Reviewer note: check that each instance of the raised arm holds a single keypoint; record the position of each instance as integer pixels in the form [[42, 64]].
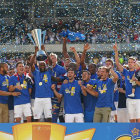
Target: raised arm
[[32, 60], [64, 50], [48, 56], [120, 67], [86, 47], [77, 58]]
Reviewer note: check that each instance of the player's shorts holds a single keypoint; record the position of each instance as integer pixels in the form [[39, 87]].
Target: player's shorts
[[122, 115], [133, 106], [79, 117], [88, 116], [32, 104], [22, 110], [42, 106]]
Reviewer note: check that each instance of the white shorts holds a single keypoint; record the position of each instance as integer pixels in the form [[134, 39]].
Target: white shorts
[[79, 117], [133, 106], [122, 115], [42, 106], [11, 116], [32, 105], [22, 110]]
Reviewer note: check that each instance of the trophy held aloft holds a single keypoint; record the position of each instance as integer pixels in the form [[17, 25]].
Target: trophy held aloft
[[36, 35]]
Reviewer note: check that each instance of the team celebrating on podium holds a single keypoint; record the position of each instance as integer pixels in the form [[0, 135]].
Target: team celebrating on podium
[[76, 92]]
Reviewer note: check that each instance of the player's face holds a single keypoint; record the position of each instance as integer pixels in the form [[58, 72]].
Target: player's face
[[104, 74], [131, 64], [92, 68], [54, 59], [26, 69], [42, 67], [71, 75], [108, 64], [5, 69], [85, 76], [20, 68], [67, 64]]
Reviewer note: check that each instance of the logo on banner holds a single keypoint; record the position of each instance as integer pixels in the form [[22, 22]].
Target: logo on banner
[[135, 132], [44, 131]]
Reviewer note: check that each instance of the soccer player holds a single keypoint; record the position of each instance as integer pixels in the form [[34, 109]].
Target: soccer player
[[43, 91], [4, 85], [72, 100], [89, 100], [105, 89], [18, 82], [57, 73], [132, 103]]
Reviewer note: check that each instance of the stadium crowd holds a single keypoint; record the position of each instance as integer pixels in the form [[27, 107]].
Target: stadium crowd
[[73, 91], [94, 33]]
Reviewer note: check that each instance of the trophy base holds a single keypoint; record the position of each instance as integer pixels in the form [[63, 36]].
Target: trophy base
[[41, 55]]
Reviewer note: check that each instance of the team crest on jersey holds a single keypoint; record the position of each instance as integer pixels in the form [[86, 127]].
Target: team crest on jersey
[[102, 90], [67, 90], [45, 78], [5, 83], [72, 91]]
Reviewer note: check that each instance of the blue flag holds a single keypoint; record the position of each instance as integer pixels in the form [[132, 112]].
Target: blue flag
[[72, 36]]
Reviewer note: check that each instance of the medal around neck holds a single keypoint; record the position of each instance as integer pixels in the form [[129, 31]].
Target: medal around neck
[[35, 37], [40, 83]]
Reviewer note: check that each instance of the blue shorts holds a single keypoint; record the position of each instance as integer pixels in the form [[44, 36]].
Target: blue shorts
[[88, 116]]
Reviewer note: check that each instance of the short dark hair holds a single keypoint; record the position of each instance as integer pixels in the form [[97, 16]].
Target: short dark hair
[[18, 63], [71, 69], [93, 64], [86, 71]]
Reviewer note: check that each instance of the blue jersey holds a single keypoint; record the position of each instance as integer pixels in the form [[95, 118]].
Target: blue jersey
[[128, 82], [24, 98], [94, 76], [105, 93], [58, 71], [90, 100], [72, 97], [4, 84], [43, 84]]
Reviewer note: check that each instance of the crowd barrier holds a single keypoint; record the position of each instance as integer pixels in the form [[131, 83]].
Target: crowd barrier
[[79, 47]]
